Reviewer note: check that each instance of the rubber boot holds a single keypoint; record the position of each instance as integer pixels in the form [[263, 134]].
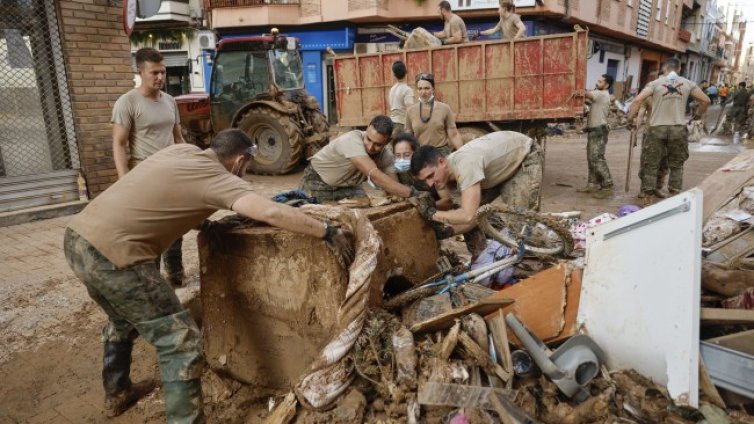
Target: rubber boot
[[183, 401], [604, 193], [589, 188], [120, 393]]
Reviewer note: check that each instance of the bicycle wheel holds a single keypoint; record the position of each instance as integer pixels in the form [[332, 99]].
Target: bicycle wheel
[[506, 224]]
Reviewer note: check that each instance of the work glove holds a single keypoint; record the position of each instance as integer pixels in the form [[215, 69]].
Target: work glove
[[442, 231], [341, 243], [425, 204]]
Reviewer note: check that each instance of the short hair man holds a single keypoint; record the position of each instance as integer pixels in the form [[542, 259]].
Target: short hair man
[[337, 171], [503, 164], [112, 244], [667, 132], [146, 120], [510, 24], [454, 30], [401, 97], [599, 182]]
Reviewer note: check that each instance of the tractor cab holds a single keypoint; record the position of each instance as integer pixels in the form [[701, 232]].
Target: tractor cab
[[252, 68]]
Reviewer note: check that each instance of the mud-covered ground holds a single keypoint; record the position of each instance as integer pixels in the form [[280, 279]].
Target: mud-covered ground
[[50, 349]]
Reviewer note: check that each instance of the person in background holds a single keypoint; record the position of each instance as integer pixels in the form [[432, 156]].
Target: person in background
[[146, 120], [712, 93], [599, 182], [401, 97], [454, 30], [431, 121], [510, 24], [723, 93]]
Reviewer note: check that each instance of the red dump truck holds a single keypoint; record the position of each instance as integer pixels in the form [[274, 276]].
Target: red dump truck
[[492, 85]]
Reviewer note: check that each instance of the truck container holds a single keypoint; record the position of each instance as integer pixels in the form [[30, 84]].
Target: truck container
[[493, 85]]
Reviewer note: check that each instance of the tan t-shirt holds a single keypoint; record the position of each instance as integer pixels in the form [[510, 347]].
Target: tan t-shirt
[[669, 100], [455, 24], [161, 199], [490, 159], [435, 131], [333, 162], [599, 109], [508, 26], [149, 122], [401, 96]]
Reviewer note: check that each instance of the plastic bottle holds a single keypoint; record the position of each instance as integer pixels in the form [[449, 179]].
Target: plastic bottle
[[83, 192]]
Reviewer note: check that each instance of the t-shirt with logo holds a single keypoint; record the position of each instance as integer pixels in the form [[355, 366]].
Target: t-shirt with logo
[[149, 122], [333, 162], [599, 109], [455, 24], [171, 192], [489, 160], [669, 100], [401, 96]]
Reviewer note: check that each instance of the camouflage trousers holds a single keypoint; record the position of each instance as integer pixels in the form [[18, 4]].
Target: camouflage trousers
[[662, 171], [313, 185], [139, 302], [523, 188], [599, 173], [669, 142], [737, 116]]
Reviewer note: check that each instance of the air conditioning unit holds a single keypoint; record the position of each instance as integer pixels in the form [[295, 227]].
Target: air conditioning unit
[[207, 40], [361, 48]]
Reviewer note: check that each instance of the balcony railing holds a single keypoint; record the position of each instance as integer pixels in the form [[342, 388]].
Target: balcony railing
[[244, 3]]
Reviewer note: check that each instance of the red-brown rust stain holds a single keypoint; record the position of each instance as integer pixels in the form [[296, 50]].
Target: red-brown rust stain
[[371, 81], [528, 82], [498, 71], [416, 62], [558, 59], [471, 87], [347, 92]]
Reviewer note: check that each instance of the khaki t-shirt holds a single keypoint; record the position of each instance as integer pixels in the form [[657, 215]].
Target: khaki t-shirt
[[508, 26], [401, 96], [149, 122], [435, 131], [669, 100], [161, 199], [455, 24], [333, 162], [599, 109], [489, 160]]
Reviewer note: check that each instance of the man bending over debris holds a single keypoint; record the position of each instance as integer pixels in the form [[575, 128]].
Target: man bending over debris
[[113, 243], [503, 164], [337, 171]]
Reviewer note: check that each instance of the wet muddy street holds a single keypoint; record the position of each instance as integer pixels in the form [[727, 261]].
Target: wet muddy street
[[50, 349]]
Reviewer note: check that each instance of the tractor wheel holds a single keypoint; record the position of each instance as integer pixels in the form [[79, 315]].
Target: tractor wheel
[[470, 133], [277, 139]]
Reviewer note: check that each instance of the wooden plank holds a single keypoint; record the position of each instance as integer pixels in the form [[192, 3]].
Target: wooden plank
[[284, 412], [719, 316], [443, 321], [707, 387], [499, 332], [742, 341], [476, 353], [472, 397], [547, 303]]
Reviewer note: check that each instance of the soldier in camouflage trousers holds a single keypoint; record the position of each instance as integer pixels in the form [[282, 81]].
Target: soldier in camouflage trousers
[[138, 301], [667, 135], [313, 185], [738, 113], [599, 181]]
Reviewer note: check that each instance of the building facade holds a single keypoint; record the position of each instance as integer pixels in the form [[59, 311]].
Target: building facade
[[62, 66]]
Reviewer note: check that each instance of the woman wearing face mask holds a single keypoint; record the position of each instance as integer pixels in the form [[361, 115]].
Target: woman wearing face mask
[[432, 121], [404, 146]]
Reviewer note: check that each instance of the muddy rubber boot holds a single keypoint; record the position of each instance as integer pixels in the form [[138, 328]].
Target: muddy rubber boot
[[590, 188], [604, 193], [183, 401], [120, 393]]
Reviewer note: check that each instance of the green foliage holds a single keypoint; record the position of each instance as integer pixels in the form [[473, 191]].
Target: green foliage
[[149, 38]]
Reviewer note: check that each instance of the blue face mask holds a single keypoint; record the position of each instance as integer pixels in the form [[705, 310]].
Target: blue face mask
[[402, 165]]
